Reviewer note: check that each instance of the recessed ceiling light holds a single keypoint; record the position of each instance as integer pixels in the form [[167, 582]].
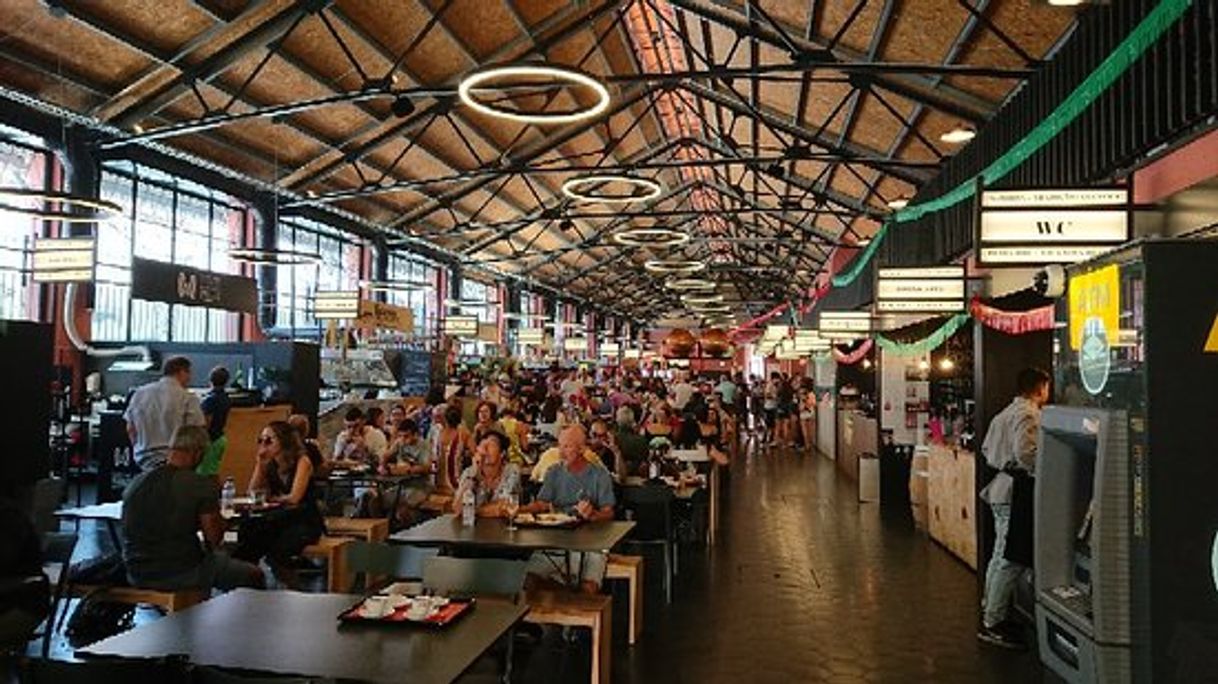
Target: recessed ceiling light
[[1066, 3], [485, 79], [959, 135], [898, 203]]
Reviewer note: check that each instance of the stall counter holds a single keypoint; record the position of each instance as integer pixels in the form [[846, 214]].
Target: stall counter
[[952, 501]]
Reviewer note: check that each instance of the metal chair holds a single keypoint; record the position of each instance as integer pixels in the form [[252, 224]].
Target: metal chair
[[493, 577], [650, 507], [57, 550], [386, 560]]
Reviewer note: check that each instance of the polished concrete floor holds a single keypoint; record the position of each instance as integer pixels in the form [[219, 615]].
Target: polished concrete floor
[[807, 585], [803, 585]]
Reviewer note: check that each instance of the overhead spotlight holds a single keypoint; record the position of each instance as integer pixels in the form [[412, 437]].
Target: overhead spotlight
[[898, 203], [1066, 3], [946, 364], [959, 135], [402, 106], [566, 225], [776, 169], [798, 151]]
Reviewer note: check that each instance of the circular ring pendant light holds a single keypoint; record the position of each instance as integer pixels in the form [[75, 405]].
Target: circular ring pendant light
[[650, 237], [578, 188], [395, 285], [72, 208], [494, 78], [273, 257], [676, 266], [690, 284], [700, 300]]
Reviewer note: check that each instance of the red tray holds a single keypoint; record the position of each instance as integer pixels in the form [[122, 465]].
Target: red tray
[[443, 617]]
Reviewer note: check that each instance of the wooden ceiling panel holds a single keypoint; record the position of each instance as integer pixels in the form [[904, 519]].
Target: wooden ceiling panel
[[436, 60], [875, 126], [925, 31], [69, 45], [823, 99], [312, 44], [890, 188], [858, 35], [932, 124], [535, 11], [483, 25], [166, 25]]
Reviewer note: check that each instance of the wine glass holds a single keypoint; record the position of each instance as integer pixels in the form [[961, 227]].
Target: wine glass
[[511, 505]]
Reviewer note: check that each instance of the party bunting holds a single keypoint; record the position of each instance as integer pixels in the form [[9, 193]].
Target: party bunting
[[1117, 63], [854, 356], [1013, 322], [926, 344]]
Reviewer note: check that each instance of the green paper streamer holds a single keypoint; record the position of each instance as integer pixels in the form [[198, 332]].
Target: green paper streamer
[[1080, 99], [932, 341]]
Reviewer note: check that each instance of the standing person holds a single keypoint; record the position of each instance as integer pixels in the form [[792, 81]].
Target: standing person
[[172, 528], [787, 411], [682, 392], [807, 415], [1010, 448], [158, 409], [215, 405], [772, 427], [452, 448]]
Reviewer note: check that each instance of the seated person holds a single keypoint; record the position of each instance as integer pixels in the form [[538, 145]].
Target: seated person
[[301, 422], [580, 488], [358, 442], [407, 455], [285, 474], [492, 479], [488, 420], [633, 445], [164, 510], [553, 456], [602, 443]]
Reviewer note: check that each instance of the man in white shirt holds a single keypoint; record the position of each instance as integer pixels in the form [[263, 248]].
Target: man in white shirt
[[570, 387], [1010, 445], [157, 410], [681, 393], [359, 441]]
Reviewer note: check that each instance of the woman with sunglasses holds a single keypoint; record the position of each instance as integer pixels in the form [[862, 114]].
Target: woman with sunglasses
[[284, 473]]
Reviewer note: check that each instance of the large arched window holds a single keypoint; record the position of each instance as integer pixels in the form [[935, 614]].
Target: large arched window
[[341, 268], [22, 165]]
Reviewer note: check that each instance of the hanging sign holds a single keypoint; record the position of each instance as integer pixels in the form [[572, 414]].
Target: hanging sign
[[461, 326], [379, 315], [63, 260], [336, 305], [610, 349], [920, 290], [488, 332], [533, 336], [849, 324], [157, 281], [1047, 226], [1095, 295], [575, 344]]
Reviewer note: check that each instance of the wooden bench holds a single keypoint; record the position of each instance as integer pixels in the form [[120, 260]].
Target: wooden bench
[[169, 601], [332, 550], [369, 529], [629, 568], [570, 609]]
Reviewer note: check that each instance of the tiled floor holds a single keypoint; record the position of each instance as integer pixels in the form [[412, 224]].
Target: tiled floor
[[804, 585], [807, 585]]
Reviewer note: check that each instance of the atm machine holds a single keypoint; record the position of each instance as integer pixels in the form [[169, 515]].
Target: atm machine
[[1127, 474]]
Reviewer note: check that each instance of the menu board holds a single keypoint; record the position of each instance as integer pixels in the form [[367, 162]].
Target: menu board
[[416, 372]]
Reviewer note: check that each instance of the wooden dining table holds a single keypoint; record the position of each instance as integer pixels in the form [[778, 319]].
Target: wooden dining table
[[291, 633]]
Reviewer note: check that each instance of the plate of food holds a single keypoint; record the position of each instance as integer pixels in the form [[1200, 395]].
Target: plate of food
[[425, 611], [547, 520]]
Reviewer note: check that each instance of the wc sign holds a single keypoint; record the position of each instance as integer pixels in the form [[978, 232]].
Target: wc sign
[[1045, 226]]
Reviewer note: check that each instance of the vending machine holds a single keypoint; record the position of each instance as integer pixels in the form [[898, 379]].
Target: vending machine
[[1127, 475]]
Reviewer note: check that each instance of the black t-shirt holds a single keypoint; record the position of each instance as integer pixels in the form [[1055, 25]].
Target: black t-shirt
[[216, 404], [161, 510]]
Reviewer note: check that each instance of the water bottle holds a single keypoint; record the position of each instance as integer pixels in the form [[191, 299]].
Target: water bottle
[[467, 508], [653, 469], [117, 458], [227, 494]]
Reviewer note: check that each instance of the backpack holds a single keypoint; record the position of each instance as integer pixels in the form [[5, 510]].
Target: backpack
[[95, 619]]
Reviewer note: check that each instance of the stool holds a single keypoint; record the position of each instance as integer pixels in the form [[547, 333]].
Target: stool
[[369, 529], [332, 551], [570, 609], [629, 568], [169, 601]]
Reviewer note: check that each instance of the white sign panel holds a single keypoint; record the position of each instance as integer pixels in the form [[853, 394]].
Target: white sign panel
[[1053, 197], [461, 326], [63, 260], [845, 321], [336, 305], [610, 349], [530, 335], [1064, 254], [1055, 226], [921, 273], [919, 306], [632, 354], [575, 344], [920, 289]]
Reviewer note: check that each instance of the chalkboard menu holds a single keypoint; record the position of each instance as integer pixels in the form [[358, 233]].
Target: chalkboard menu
[[416, 372]]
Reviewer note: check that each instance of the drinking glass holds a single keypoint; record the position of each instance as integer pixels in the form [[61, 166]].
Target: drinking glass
[[511, 504]]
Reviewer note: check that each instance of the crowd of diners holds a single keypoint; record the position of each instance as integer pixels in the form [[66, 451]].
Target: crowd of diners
[[529, 440]]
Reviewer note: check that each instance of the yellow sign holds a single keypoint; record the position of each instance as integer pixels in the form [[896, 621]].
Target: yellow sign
[[384, 316], [1211, 342], [1095, 295]]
